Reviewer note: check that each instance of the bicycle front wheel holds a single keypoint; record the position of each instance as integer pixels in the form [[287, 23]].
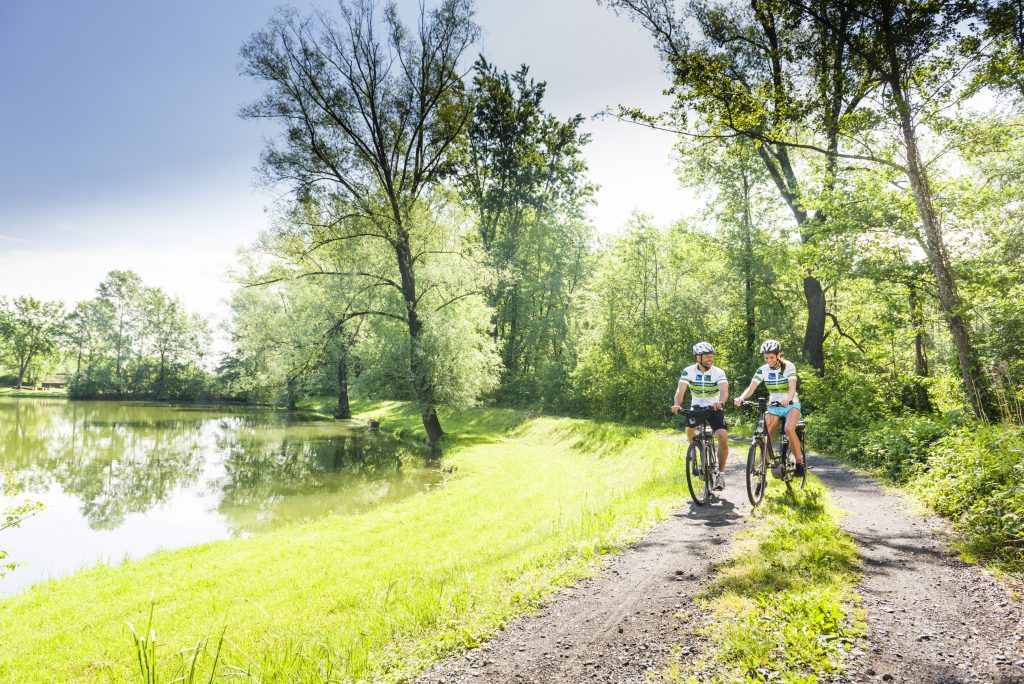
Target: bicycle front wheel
[[696, 478], [757, 473]]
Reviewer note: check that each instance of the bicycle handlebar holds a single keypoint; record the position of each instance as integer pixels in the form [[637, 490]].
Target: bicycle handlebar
[[754, 404]]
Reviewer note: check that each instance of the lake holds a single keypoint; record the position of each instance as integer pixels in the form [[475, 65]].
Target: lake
[[120, 480]]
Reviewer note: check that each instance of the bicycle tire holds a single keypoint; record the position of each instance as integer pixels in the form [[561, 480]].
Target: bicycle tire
[[789, 475], [696, 474], [802, 480], [757, 473]]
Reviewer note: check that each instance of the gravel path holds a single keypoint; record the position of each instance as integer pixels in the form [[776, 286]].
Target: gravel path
[[620, 625], [931, 617]]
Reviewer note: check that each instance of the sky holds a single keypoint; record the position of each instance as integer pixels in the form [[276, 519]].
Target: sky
[[121, 146]]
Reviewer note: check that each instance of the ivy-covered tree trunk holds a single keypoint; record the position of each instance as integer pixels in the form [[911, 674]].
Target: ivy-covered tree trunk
[[290, 388]]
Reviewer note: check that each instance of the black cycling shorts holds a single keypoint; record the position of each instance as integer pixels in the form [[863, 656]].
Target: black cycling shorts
[[716, 419]]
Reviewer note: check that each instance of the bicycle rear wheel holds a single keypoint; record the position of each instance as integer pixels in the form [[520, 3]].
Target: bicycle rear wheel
[[757, 473], [696, 474]]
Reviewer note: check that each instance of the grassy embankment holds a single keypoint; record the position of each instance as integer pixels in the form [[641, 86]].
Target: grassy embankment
[[529, 504], [783, 608]]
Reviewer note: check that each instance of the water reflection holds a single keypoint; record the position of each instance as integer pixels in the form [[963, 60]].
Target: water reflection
[[121, 480], [302, 473]]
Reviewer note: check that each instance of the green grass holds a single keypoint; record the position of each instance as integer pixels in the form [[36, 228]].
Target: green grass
[[34, 394], [782, 609], [530, 504]]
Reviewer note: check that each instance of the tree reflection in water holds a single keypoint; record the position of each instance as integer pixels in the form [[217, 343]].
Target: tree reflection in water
[[296, 474], [261, 468]]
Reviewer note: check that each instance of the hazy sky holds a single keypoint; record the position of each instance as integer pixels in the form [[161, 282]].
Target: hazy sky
[[121, 146]]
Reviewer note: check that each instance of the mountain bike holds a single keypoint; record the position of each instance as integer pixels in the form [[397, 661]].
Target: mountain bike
[[761, 457], [701, 456]]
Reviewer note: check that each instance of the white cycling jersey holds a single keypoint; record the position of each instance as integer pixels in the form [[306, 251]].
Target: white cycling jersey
[[704, 390], [776, 380]]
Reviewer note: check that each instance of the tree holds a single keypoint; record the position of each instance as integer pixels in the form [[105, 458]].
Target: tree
[[346, 275], [134, 340], [741, 205], [84, 334], [756, 73], [32, 329], [172, 339], [522, 175], [371, 124], [119, 295], [279, 333], [918, 55], [655, 292]]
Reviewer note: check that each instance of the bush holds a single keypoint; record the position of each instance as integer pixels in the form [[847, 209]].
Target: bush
[[975, 477], [840, 409]]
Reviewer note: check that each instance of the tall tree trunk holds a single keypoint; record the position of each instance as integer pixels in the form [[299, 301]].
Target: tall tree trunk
[[508, 353], [434, 432], [163, 373], [344, 409], [975, 384], [290, 388], [748, 271], [120, 338], [920, 359], [814, 332], [784, 177], [421, 382]]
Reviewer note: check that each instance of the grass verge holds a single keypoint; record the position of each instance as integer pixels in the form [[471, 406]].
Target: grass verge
[[783, 608], [17, 393], [530, 504]]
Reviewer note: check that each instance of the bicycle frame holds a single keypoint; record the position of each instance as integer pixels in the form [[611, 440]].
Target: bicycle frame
[[704, 445], [761, 435], [783, 467]]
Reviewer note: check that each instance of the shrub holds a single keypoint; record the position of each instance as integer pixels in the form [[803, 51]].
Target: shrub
[[975, 477]]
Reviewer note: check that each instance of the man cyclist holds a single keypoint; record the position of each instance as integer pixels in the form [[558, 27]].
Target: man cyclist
[[708, 389], [779, 378]]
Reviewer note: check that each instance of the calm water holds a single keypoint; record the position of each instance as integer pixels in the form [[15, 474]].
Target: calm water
[[121, 480]]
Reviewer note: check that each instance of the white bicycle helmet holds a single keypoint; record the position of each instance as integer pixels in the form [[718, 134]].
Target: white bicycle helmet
[[770, 347], [703, 348]]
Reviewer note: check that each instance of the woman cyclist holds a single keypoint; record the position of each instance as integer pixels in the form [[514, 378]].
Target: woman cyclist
[[779, 377]]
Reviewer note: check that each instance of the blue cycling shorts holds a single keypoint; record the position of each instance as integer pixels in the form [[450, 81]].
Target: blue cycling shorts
[[781, 411]]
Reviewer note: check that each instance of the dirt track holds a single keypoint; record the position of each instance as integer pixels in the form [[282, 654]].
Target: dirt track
[[620, 625], [931, 617]]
